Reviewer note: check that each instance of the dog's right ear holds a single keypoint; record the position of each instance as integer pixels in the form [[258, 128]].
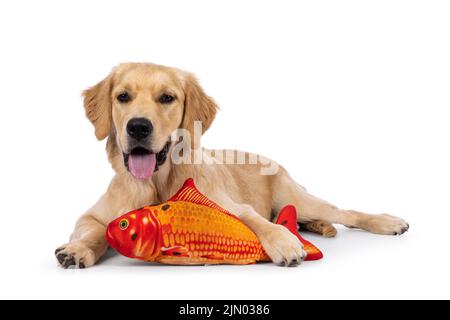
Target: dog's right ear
[[97, 104]]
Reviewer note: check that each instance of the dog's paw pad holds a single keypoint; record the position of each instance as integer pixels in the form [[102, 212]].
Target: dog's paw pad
[[75, 255]]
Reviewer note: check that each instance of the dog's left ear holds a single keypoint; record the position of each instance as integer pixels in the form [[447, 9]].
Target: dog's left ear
[[97, 104], [197, 105]]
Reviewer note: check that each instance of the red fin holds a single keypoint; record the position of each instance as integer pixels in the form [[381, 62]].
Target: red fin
[[214, 256], [288, 218], [190, 193], [175, 252]]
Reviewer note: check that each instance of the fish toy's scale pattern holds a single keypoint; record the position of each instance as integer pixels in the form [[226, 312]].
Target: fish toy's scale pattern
[[209, 234]]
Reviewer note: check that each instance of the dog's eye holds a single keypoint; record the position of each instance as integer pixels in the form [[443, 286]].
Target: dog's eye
[[124, 97], [123, 224], [166, 98]]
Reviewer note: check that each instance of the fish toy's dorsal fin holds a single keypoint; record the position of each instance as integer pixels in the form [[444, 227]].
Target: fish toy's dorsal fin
[[190, 193], [187, 192]]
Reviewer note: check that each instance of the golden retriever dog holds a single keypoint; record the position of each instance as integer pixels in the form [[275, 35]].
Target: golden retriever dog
[[147, 111]]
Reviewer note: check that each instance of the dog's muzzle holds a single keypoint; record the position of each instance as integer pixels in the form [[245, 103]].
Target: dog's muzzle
[[142, 162]]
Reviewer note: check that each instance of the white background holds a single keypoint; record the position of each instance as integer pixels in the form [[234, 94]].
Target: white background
[[352, 97]]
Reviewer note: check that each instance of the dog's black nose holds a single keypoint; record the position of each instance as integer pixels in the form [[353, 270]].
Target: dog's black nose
[[139, 128]]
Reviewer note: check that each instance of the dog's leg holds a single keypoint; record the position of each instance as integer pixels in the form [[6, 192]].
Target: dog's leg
[[311, 208], [87, 243], [280, 244], [321, 227]]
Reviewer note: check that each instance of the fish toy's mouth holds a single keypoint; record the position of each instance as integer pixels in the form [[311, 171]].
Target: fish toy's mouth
[[113, 243], [110, 239], [142, 162]]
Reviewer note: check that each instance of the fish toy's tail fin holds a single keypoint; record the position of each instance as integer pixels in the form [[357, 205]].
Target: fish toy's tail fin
[[288, 218]]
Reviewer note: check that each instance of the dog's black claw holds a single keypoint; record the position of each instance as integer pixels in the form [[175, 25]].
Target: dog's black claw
[[293, 263], [70, 261], [61, 257], [58, 250], [283, 264], [81, 265]]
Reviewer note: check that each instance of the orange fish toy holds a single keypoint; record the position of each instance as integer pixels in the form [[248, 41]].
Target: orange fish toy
[[190, 229]]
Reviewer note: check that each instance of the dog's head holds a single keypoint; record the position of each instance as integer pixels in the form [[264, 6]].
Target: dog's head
[[139, 106]]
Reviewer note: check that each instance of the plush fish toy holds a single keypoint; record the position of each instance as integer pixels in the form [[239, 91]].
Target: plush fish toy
[[190, 229]]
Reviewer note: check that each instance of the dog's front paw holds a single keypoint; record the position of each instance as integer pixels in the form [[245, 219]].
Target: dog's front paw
[[282, 246], [75, 254], [386, 224]]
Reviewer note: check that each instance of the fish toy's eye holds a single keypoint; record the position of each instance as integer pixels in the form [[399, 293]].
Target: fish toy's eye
[[123, 224]]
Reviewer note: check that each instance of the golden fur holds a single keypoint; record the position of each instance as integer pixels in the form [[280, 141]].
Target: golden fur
[[240, 188]]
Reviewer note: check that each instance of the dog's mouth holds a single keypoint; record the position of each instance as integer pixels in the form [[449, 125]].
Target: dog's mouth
[[142, 162]]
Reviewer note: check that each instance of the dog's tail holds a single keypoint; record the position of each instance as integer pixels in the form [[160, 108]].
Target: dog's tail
[[288, 218]]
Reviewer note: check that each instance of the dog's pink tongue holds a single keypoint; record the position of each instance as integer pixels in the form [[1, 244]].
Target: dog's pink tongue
[[142, 166]]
